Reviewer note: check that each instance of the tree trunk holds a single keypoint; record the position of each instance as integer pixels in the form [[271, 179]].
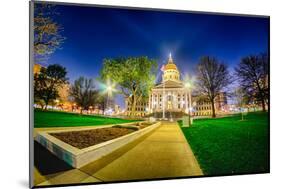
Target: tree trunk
[[213, 108], [262, 96], [263, 105], [133, 111], [46, 104]]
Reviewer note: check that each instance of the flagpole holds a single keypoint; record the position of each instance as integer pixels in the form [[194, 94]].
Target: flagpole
[[163, 99]]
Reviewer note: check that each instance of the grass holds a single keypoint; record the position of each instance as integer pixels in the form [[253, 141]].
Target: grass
[[228, 145], [63, 119]]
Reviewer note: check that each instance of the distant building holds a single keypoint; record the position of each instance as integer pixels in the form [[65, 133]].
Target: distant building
[[141, 108], [202, 106], [117, 109], [36, 68]]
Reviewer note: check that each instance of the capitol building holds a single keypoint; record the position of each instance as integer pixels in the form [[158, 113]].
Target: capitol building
[[172, 96]]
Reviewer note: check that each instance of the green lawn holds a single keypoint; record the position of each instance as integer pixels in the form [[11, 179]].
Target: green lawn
[[225, 146], [63, 119]]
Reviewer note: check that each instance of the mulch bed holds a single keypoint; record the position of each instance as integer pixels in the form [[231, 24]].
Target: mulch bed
[[86, 138]]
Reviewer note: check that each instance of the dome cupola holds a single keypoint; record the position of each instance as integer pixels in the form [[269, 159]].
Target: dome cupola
[[171, 71]]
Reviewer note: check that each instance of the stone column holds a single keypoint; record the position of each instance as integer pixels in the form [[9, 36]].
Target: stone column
[[173, 100], [158, 101]]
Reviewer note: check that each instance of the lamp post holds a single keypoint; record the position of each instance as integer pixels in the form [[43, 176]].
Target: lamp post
[[188, 86], [163, 101], [109, 91]]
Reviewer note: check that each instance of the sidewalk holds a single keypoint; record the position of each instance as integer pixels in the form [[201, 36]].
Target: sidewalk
[[163, 154]]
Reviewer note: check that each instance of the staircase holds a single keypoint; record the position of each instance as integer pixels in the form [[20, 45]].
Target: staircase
[[174, 115]]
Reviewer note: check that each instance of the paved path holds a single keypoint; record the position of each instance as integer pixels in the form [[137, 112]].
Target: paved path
[[163, 154]]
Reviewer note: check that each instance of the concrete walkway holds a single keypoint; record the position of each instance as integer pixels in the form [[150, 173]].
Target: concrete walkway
[[163, 154]]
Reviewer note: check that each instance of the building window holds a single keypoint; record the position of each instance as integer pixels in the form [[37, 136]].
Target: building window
[[179, 106], [170, 97]]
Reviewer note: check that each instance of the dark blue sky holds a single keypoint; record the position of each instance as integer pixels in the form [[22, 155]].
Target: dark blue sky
[[97, 33]]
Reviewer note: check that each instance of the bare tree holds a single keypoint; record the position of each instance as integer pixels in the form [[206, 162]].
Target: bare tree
[[47, 32], [252, 73], [84, 93], [212, 77]]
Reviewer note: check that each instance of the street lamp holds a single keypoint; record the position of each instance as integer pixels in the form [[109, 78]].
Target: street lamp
[[188, 85], [109, 89]]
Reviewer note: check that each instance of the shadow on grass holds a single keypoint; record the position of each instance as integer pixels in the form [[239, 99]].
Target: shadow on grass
[[46, 162]]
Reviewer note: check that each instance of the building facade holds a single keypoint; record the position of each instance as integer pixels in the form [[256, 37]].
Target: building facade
[[173, 96], [141, 108], [170, 94], [201, 106]]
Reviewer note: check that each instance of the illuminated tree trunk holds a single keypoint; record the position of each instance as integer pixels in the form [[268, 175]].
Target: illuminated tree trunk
[[134, 107], [213, 108], [263, 104], [133, 104]]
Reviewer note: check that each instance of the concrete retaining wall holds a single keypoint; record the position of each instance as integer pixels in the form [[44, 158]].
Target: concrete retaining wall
[[79, 157]]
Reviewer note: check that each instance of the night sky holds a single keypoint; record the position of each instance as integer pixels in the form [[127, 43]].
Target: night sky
[[93, 34]]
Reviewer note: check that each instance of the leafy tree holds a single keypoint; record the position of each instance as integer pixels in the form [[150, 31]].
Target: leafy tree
[[47, 83], [252, 73], [47, 32], [212, 77], [134, 76], [84, 93]]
